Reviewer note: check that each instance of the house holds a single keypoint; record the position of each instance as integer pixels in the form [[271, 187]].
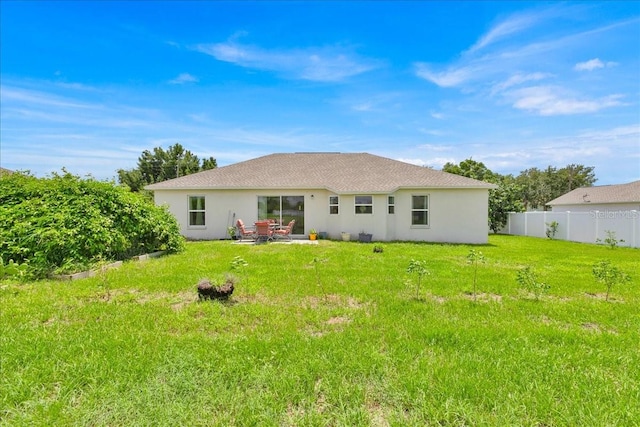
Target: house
[[621, 197], [331, 193]]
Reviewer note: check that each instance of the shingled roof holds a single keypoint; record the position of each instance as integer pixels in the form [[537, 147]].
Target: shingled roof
[[620, 193], [342, 173]]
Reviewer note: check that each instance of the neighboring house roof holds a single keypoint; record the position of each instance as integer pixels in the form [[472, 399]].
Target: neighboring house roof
[[339, 172], [4, 171], [602, 194]]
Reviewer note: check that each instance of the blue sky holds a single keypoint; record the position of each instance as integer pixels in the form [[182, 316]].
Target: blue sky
[[89, 85]]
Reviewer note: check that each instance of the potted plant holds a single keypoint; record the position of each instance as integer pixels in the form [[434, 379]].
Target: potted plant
[[365, 237], [231, 231], [345, 236], [313, 234]]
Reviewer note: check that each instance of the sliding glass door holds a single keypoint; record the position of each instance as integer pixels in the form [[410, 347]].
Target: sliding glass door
[[283, 209]]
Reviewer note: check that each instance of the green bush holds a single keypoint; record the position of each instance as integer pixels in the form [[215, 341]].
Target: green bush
[[65, 223]]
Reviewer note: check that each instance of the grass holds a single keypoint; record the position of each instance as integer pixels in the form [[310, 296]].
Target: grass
[[328, 335]]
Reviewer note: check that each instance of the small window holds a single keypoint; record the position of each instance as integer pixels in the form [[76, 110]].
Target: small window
[[364, 205], [334, 205], [391, 204], [196, 211], [420, 210]]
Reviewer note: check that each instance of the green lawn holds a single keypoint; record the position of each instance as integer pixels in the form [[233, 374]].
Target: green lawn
[[342, 341]]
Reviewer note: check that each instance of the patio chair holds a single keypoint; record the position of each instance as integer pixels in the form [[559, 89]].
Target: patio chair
[[284, 232], [264, 231], [245, 232]]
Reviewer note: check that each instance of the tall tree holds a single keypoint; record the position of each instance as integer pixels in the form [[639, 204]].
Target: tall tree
[[541, 186], [471, 169], [502, 200], [160, 165]]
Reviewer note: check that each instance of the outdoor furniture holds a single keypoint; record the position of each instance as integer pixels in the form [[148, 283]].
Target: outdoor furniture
[[245, 232], [264, 231], [284, 232]]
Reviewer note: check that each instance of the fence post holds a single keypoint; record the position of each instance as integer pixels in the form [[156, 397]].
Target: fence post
[[634, 217], [596, 226], [525, 224], [568, 225]]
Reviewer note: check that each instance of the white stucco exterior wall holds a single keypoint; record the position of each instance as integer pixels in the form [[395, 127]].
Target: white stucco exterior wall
[[455, 215]]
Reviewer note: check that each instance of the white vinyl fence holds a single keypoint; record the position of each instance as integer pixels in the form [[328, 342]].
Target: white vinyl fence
[[586, 227]]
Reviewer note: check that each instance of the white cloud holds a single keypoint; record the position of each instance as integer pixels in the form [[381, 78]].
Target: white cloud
[[450, 78], [622, 133], [551, 101], [325, 64], [365, 106], [590, 65], [436, 148], [593, 64], [184, 78], [509, 26], [417, 162], [518, 79]]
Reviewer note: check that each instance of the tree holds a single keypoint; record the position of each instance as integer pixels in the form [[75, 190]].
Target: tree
[[160, 165], [209, 163], [471, 169], [541, 186], [502, 200]]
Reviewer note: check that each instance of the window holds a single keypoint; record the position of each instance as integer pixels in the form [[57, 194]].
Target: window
[[364, 205], [333, 205], [196, 211], [391, 204], [420, 210]]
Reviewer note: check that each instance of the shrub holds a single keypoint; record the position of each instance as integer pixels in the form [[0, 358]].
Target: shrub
[[12, 269], [65, 223]]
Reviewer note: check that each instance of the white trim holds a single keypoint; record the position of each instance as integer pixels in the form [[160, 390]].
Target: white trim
[[356, 205], [427, 210], [189, 211], [337, 205]]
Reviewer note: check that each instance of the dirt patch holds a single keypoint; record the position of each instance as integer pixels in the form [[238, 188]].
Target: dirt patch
[[483, 297], [332, 301], [338, 320], [376, 415], [593, 327], [545, 320], [603, 297]]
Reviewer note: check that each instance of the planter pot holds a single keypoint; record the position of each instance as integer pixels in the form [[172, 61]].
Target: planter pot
[[365, 237], [322, 235], [346, 236], [313, 236]]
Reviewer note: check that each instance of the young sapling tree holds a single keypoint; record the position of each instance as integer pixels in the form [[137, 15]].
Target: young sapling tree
[[611, 241], [420, 268], [552, 229], [610, 275], [474, 258], [528, 280], [315, 263]]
